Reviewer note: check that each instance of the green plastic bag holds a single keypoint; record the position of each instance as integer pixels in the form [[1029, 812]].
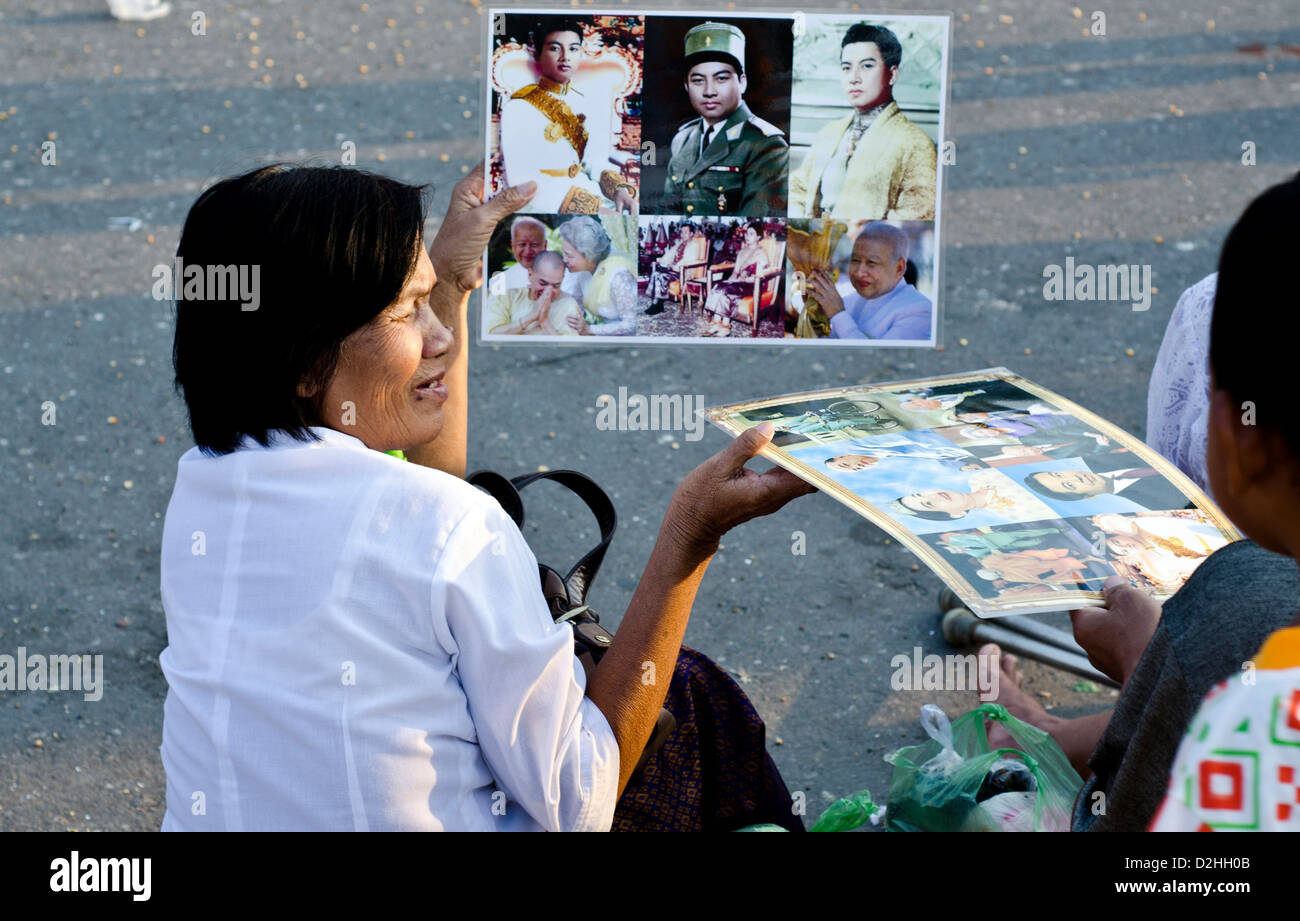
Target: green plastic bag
[[847, 814], [943, 784]]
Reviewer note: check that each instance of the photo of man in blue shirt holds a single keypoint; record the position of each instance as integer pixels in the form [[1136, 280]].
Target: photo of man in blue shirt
[[883, 305]]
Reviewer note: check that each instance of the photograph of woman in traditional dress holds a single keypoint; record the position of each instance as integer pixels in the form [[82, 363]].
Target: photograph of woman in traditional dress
[[604, 275], [725, 296]]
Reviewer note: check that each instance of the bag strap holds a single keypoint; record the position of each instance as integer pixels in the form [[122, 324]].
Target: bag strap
[[501, 489], [506, 492]]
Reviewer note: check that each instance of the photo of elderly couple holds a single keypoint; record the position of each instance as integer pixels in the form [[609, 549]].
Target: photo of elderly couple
[[781, 174], [1019, 499]]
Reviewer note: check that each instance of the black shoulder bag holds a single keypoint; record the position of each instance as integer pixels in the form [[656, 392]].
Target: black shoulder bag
[[566, 596]]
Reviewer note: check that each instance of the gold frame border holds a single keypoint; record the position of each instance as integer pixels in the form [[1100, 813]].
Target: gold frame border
[[981, 606]]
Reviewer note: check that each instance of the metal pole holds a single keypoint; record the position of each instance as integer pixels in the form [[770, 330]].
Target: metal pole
[[1024, 624], [962, 628]]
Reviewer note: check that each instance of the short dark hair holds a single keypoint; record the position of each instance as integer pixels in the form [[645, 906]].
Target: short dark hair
[[547, 25], [1247, 365], [333, 248], [929, 516], [891, 52], [1038, 487], [713, 57]]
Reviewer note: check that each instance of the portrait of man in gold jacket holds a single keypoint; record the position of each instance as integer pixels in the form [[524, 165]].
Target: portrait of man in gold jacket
[[873, 163]]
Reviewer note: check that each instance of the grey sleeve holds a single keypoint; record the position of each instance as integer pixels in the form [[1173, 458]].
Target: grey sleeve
[[1215, 623]]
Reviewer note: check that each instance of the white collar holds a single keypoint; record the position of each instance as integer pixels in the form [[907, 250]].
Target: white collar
[[888, 294], [334, 436], [280, 439]]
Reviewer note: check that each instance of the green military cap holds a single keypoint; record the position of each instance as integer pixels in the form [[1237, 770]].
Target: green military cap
[[716, 41]]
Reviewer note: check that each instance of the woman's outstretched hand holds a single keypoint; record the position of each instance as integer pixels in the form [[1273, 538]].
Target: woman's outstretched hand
[[715, 497], [457, 248], [722, 493]]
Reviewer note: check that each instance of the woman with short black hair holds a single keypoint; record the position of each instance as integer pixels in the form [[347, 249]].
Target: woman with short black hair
[[357, 642]]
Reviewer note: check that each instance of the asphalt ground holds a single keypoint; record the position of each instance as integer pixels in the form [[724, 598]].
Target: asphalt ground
[[1120, 148]]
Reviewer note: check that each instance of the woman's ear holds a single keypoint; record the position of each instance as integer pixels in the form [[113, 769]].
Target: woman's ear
[[1243, 452], [1250, 471]]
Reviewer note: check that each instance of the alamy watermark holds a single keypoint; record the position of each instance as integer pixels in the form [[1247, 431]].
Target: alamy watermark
[[53, 673], [952, 672], [102, 874], [666, 412], [1082, 282], [182, 282]]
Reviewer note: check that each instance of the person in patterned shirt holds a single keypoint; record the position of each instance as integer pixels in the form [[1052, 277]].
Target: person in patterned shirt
[[1168, 657], [1238, 767]]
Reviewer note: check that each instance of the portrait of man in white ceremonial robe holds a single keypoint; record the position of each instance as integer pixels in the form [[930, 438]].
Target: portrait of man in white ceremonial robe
[[867, 117], [564, 93]]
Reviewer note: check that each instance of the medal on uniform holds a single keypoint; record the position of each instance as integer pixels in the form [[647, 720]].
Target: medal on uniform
[[722, 200]]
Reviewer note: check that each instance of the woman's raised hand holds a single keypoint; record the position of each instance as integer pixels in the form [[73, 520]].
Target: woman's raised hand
[[457, 248], [722, 493]]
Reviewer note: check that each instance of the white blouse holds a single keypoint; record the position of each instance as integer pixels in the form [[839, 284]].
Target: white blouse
[[357, 642]]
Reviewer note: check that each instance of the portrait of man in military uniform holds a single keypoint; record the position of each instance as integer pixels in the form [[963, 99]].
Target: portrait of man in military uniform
[[563, 129], [732, 157]]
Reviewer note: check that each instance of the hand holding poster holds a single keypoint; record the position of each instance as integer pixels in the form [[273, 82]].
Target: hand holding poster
[[677, 158]]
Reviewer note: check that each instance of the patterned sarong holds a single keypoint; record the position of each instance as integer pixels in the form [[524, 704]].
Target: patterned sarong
[[661, 276], [713, 773], [725, 297]]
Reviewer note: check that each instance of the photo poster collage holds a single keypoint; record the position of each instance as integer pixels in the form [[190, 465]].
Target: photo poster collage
[[1018, 499], [712, 176]]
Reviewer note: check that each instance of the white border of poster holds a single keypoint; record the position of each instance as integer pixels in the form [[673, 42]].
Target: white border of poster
[[710, 308]]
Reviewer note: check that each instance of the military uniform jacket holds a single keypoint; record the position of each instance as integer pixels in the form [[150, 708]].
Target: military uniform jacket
[[743, 170]]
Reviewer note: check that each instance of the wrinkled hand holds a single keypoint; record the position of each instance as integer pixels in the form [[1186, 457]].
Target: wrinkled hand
[[578, 324], [721, 493], [823, 290], [457, 249], [1116, 633]]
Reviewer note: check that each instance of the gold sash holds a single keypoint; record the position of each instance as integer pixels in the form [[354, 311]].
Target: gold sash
[[563, 122]]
